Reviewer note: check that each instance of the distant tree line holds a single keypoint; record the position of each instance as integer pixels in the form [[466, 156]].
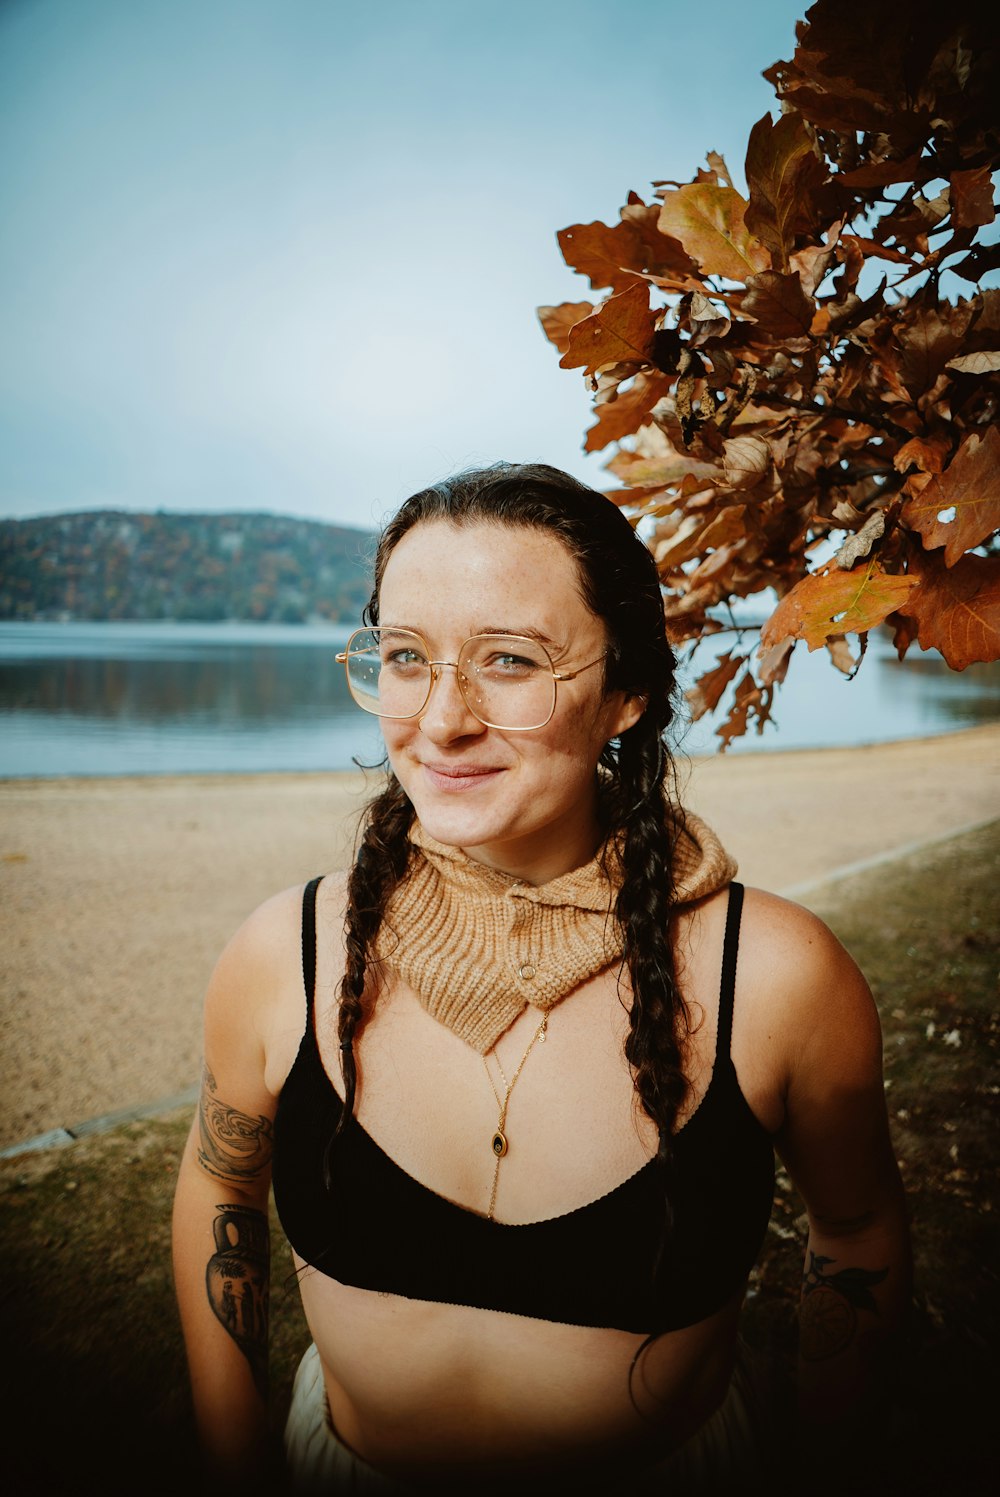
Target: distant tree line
[[115, 565]]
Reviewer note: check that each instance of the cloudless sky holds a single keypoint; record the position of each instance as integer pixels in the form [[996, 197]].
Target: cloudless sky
[[286, 254]]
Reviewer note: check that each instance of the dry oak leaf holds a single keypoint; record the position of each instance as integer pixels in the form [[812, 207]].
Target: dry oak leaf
[[746, 461], [783, 169], [972, 198], [880, 173], [608, 256], [957, 609], [970, 486], [929, 454], [619, 331], [778, 304], [624, 414], [840, 654], [704, 695], [835, 602], [934, 336], [983, 362], [748, 697], [708, 222], [860, 544], [557, 321]]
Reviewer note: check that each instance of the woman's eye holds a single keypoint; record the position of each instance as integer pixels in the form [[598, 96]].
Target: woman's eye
[[511, 664], [403, 657]]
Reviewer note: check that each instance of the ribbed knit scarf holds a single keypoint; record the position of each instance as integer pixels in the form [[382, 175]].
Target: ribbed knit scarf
[[478, 946]]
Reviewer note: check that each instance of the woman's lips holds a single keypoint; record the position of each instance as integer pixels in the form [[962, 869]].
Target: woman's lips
[[459, 777]]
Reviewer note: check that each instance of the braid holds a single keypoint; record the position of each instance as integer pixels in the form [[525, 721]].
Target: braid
[[380, 864], [643, 910]]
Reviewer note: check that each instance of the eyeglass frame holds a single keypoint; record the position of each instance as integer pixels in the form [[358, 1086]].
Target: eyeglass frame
[[434, 669]]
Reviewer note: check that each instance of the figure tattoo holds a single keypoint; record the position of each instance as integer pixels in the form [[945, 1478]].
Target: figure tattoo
[[828, 1312], [237, 1281], [234, 1146]]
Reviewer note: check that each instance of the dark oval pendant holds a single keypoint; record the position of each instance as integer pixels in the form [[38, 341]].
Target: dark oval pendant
[[499, 1144]]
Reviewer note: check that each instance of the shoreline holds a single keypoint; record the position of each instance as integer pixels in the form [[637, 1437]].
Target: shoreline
[[119, 892], [681, 757]]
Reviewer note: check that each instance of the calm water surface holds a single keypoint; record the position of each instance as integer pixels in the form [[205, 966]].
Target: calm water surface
[[93, 699]]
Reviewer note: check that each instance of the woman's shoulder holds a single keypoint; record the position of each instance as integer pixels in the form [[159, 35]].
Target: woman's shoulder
[[262, 961], [790, 947], [809, 997]]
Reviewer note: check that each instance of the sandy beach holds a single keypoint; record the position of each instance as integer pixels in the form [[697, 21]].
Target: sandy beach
[[119, 893]]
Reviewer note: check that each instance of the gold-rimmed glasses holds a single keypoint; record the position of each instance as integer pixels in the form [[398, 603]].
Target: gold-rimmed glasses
[[507, 681]]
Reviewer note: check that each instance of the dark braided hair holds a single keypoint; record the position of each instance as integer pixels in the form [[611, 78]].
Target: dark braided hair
[[619, 583]]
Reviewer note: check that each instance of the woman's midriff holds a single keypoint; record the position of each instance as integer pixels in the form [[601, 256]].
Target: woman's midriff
[[421, 1388]]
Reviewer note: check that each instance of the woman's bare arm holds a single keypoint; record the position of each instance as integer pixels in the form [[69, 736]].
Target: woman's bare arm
[[834, 1140], [221, 1238]]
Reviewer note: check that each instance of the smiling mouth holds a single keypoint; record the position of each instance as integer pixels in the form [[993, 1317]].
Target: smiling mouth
[[457, 776]]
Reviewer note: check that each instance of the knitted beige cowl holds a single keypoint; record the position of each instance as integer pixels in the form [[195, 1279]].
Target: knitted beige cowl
[[478, 946]]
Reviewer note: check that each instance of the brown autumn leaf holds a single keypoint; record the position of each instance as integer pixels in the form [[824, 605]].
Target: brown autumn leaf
[[746, 460], [659, 471], [880, 251], [784, 170], [728, 525], [982, 362], [957, 609], [968, 492], [836, 602], [772, 664], [619, 331], [932, 337], [984, 258], [972, 198], [607, 256], [904, 632], [708, 221], [778, 305], [624, 414], [929, 454], [840, 654], [706, 692], [706, 320], [881, 173], [860, 544], [719, 167], [557, 321], [748, 698]]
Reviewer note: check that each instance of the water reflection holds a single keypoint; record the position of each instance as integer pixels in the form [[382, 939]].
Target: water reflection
[[239, 688], [166, 698]]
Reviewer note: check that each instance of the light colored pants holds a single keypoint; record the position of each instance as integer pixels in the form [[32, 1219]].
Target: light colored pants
[[723, 1457]]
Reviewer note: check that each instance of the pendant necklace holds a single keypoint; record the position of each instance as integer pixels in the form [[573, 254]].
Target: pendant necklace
[[499, 1141]]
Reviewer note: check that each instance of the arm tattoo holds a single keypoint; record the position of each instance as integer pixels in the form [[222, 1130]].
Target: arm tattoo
[[234, 1146], [237, 1282], [828, 1313]]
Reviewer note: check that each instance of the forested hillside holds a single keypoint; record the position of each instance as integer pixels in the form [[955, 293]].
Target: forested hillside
[[116, 565]]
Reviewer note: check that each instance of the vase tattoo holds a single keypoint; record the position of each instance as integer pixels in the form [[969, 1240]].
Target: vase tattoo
[[237, 1282]]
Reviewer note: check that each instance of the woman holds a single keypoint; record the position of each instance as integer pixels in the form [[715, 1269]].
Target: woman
[[522, 1071]]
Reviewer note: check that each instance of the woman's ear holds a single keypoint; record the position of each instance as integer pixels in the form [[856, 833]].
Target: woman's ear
[[627, 713]]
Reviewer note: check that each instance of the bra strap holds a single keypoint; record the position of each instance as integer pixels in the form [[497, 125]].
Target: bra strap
[[309, 941], [727, 988]]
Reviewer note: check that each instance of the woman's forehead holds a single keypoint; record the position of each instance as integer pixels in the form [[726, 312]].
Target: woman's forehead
[[440, 561]]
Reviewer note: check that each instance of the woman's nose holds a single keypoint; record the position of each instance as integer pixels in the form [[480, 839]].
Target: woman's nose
[[447, 714]]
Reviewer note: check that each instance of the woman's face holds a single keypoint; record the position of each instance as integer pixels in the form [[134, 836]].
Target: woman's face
[[522, 802]]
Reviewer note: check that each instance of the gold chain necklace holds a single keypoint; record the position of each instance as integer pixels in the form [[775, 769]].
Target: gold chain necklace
[[498, 1143]]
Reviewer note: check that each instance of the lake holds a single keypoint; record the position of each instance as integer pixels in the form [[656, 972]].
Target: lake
[[130, 698]]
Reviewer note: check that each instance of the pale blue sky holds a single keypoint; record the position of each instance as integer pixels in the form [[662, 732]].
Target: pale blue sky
[[285, 254]]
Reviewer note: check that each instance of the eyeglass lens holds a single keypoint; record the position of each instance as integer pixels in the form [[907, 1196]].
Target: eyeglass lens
[[506, 681]]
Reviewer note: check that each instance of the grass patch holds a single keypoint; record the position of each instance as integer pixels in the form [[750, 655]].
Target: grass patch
[[94, 1384], [924, 930]]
